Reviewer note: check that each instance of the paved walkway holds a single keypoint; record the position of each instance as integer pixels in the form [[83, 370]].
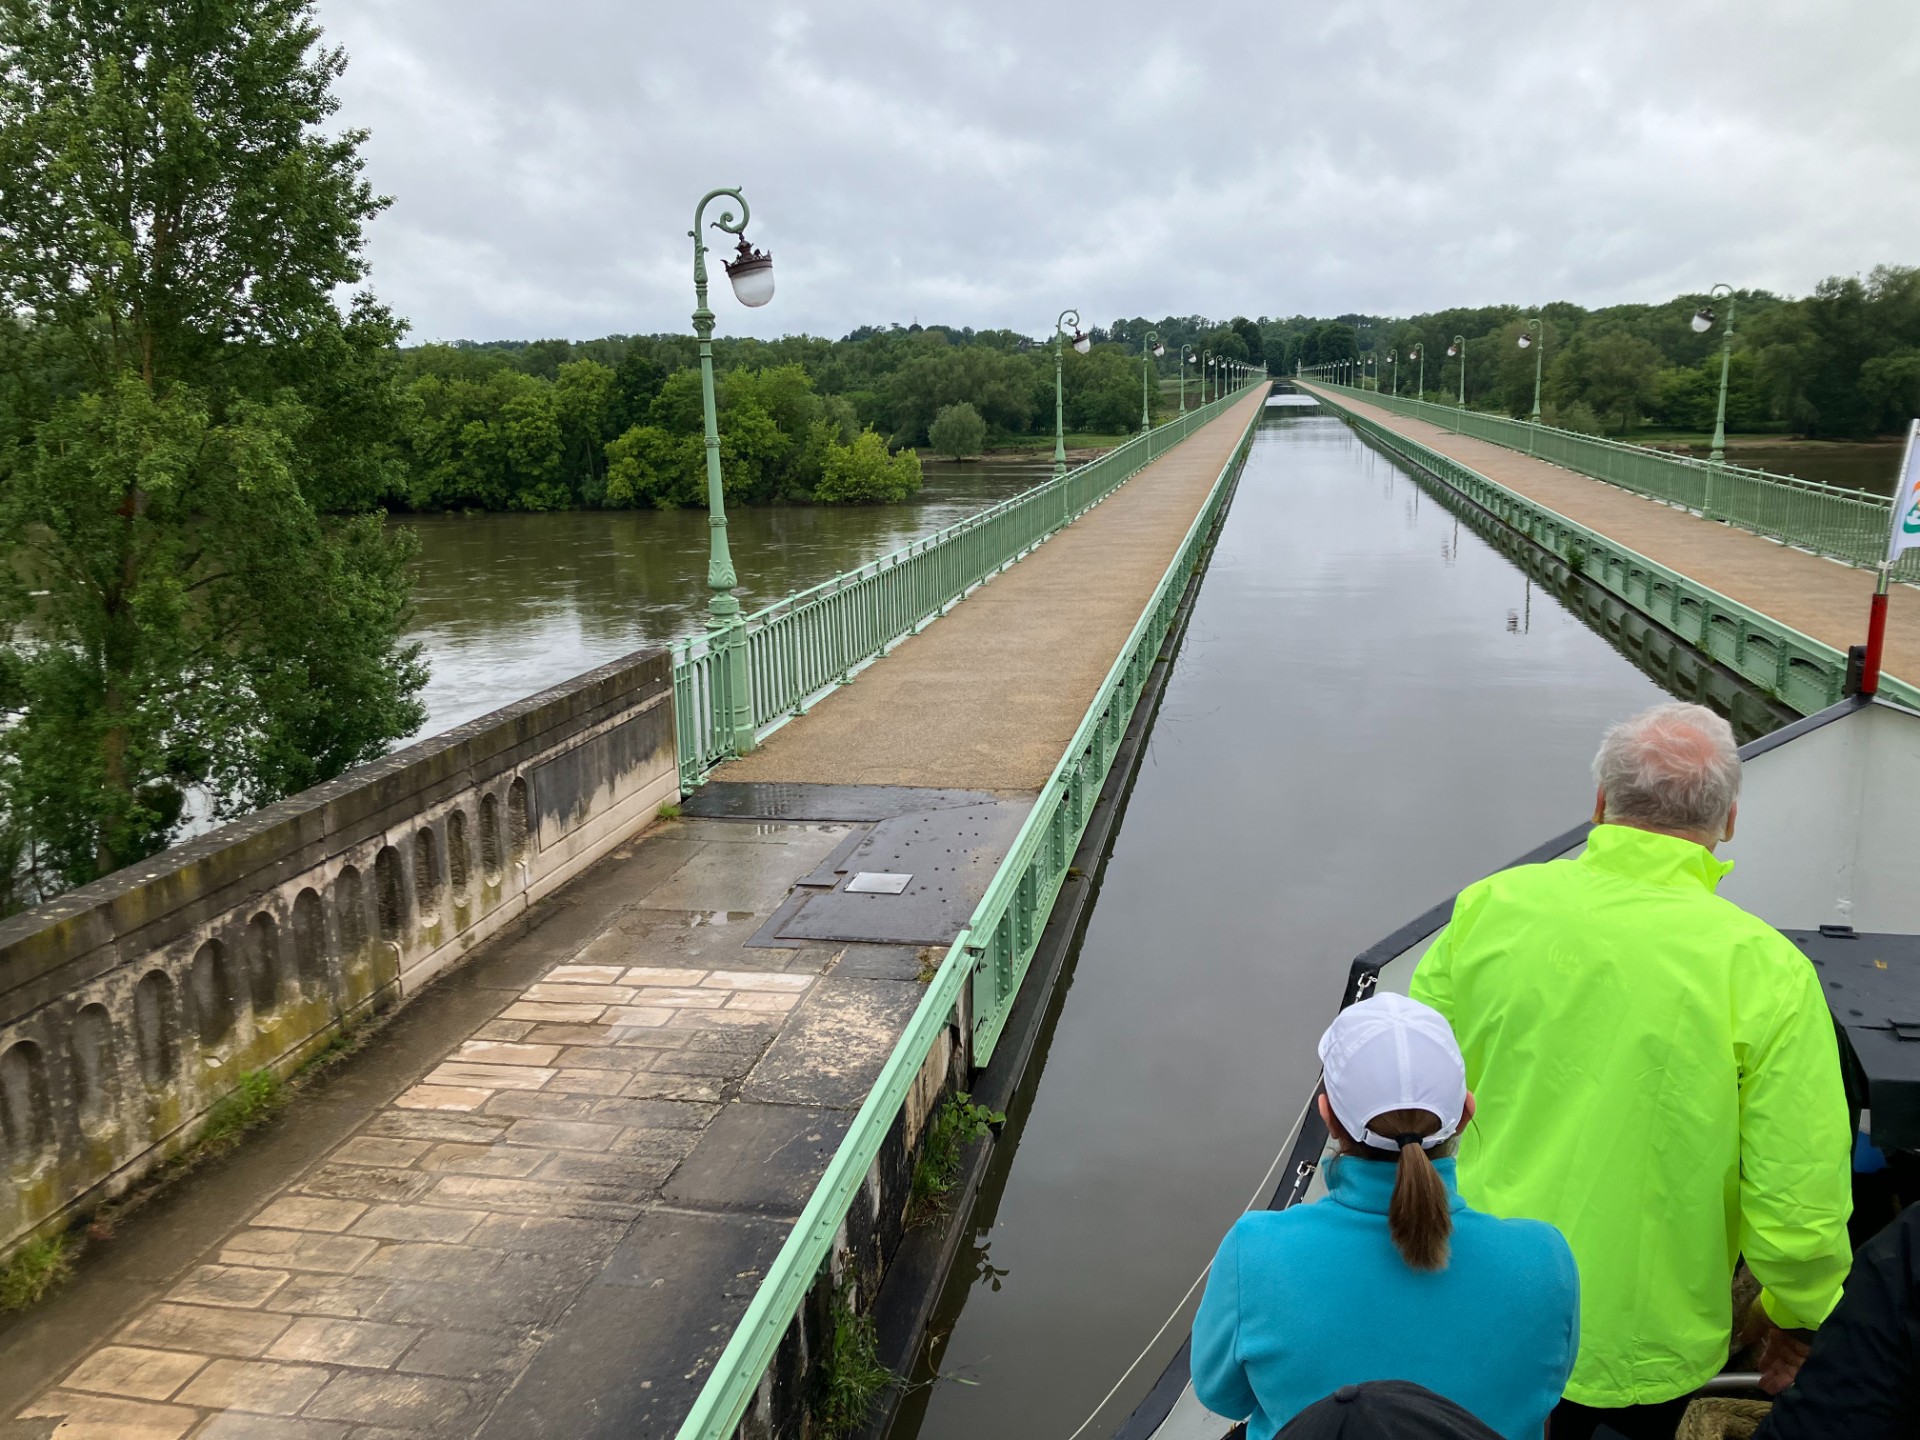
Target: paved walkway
[[1816, 596], [538, 1202], [988, 697]]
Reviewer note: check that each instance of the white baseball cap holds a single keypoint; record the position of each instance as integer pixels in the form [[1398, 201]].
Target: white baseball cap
[[1392, 1053]]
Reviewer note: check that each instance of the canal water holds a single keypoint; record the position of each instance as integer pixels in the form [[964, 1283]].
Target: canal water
[[506, 605], [1371, 708]]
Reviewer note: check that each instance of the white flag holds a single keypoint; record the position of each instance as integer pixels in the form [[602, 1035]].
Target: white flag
[[1906, 500]]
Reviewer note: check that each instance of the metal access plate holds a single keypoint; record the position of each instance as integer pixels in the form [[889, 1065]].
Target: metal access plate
[[775, 800], [947, 853], [878, 882]]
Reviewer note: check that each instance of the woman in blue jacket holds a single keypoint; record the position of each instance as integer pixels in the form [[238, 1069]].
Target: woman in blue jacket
[[1391, 1276]]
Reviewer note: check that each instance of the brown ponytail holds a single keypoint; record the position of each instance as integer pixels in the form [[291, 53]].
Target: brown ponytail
[[1419, 1219]]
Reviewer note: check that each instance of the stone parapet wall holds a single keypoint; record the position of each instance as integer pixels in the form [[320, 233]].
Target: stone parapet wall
[[132, 1006]]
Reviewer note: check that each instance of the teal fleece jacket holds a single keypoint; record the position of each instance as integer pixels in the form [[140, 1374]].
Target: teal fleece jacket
[[1305, 1300]]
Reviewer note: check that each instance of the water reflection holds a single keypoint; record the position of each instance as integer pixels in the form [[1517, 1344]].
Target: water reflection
[[1355, 727], [507, 605]]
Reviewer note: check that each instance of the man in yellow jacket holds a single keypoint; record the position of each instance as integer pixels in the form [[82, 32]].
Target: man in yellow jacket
[[1658, 1078]]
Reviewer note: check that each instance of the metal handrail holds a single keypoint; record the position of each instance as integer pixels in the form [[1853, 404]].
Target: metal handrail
[[804, 646], [1008, 919], [1848, 525]]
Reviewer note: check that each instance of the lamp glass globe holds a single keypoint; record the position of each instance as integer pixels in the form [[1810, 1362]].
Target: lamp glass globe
[[1702, 320], [1526, 342], [752, 283]]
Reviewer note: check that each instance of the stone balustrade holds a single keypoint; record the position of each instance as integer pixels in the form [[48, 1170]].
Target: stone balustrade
[[132, 1006]]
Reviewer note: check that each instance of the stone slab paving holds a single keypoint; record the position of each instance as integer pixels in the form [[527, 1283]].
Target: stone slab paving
[[549, 1229], [988, 697], [1816, 596]]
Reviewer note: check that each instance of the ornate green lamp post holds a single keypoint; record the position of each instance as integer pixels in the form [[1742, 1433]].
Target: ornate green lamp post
[[1526, 343], [1188, 356], [1459, 347], [1702, 322], [1206, 369], [1149, 348], [1081, 344], [751, 273], [1393, 363], [1418, 351]]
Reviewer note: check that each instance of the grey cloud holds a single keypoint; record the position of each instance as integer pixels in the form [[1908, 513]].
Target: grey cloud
[[986, 164]]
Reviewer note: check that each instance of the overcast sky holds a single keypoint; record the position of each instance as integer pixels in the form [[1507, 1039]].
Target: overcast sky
[[986, 164]]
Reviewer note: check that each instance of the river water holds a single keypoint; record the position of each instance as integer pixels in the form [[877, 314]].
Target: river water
[[506, 605], [1371, 708]]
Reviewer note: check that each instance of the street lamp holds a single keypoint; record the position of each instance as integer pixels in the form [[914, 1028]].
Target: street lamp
[[1393, 359], [1082, 344], [1149, 348], [1526, 343], [751, 273], [1702, 322], [1188, 356], [1418, 351], [1459, 347], [1206, 369]]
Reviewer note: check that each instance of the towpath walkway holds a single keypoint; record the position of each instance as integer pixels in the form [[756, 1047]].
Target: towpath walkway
[[1819, 597], [537, 1202], [988, 698]]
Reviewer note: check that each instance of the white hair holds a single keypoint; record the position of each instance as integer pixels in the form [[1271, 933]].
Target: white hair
[[1674, 767]]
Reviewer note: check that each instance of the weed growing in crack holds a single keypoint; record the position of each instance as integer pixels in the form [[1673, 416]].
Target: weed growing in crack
[[955, 1125]]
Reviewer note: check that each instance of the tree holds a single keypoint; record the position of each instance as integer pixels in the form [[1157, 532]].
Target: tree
[[1612, 372], [958, 432], [863, 473], [174, 226]]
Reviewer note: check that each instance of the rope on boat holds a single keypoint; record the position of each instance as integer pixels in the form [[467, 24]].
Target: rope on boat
[[1198, 1280]]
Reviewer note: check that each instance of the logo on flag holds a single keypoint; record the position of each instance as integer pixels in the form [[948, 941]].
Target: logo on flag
[[1906, 500]]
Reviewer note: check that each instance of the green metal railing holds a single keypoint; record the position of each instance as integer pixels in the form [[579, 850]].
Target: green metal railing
[[1793, 667], [1849, 525], [991, 955], [804, 646]]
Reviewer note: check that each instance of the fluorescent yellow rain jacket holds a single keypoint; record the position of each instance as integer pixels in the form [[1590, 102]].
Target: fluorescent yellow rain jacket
[[1657, 1077]]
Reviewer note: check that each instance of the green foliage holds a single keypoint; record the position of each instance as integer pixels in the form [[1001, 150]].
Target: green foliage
[[1843, 361], [851, 1375], [669, 811], [258, 1095], [483, 437], [1610, 372], [193, 403], [863, 473], [954, 1126], [958, 432], [35, 1268]]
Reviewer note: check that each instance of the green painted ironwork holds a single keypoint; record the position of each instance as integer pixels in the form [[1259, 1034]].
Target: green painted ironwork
[[1848, 525], [799, 649], [1066, 317], [1801, 672], [978, 977], [725, 633], [1726, 359]]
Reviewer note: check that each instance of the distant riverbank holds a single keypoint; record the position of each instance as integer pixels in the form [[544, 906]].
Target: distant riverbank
[[1857, 464]]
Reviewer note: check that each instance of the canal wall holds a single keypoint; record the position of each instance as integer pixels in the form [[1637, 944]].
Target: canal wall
[[131, 1008]]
